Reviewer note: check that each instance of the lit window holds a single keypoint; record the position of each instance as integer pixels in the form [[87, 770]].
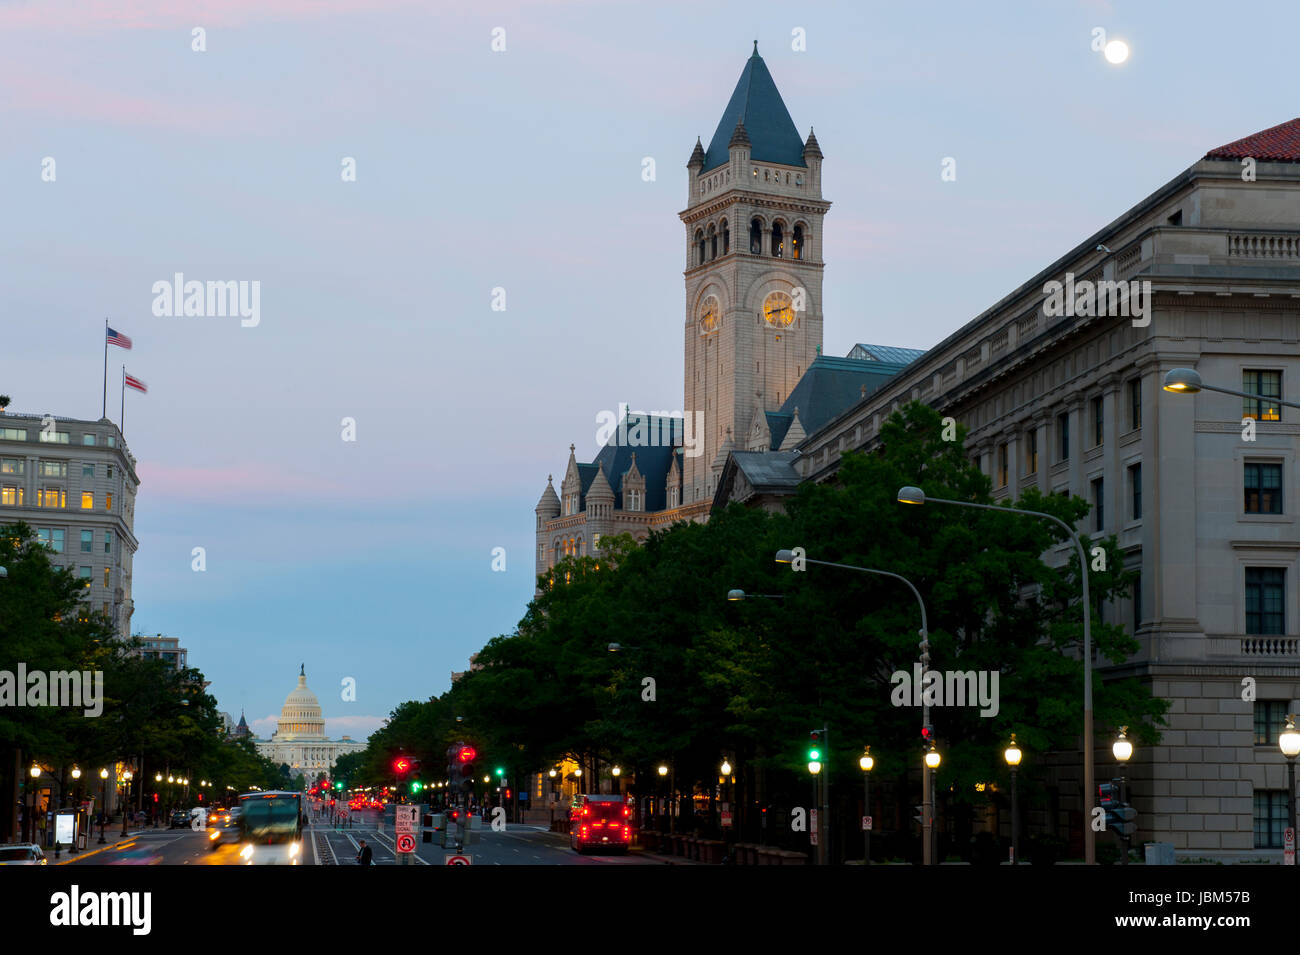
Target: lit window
[[51, 497], [106, 572], [1267, 383], [11, 466], [1002, 466], [87, 541], [11, 496], [87, 500], [108, 501]]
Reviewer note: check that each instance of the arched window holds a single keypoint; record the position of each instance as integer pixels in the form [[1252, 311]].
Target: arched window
[[796, 243], [778, 248], [726, 238], [699, 242], [713, 242], [756, 237]]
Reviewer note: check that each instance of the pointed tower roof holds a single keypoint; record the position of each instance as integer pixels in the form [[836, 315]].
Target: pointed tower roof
[[739, 137], [697, 154], [549, 502], [756, 105], [600, 488], [810, 148]]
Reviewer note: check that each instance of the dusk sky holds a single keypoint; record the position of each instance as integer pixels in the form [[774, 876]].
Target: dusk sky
[[521, 170]]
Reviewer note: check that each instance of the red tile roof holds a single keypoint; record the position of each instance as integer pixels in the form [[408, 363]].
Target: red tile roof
[[1279, 144]]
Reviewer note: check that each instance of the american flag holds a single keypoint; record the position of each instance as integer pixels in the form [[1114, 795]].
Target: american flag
[[120, 340], [136, 383]]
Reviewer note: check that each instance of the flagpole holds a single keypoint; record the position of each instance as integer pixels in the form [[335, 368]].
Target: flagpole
[[103, 411], [121, 425]]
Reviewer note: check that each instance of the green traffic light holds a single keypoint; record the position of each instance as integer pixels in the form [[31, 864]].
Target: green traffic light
[[500, 771], [814, 755], [415, 787]]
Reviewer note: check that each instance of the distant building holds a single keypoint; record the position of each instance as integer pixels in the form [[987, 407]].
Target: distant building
[[167, 649], [74, 481], [300, 740]]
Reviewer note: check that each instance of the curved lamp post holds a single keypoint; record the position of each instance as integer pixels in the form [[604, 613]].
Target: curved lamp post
[[1123, 749], [103, 812], [1187, 381], [932, 760], [786, 556], [1012, 755], [1289, 742], [866, 762], [914, 495]]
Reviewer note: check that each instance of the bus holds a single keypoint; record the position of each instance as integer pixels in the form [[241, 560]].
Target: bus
[[600, 822], [270, 825]]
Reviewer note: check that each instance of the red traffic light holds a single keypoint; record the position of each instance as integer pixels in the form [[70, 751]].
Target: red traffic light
[[467, 754], [401, 764]]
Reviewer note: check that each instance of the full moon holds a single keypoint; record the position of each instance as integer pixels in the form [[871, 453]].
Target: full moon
[[1116, 51]]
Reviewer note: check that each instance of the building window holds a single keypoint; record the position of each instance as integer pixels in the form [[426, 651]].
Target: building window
[[726, 238], [1270, 718], [1265, 613], [778, 244], [108, 501], [713, 243], [1135, 490], [1031, 451], [53, 437], [1270, 818], [1098, 504], [1263, 483], [84, 573], [11, 465], [1098, 405], [87, 501], [108, 542], [88, 439], [106, 572], [110, 472], [52, 469], [1137, 602], [699, 245], [88, 470], [13, 434], [1267, 383], [1063, 437], [51, 538], [796, 243], [1002, 465], [11, 496], [110, 441], [87, 541], [755, 235], [1135, 404], [51, 497]]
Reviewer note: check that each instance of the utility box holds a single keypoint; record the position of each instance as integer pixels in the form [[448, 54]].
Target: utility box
[[1160, 853]]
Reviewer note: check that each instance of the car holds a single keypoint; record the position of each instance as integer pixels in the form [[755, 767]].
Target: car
[[600, 822], [22, 853], [180, 820], [226, 831]]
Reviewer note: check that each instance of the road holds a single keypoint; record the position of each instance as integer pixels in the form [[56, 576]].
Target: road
[[323, 845]]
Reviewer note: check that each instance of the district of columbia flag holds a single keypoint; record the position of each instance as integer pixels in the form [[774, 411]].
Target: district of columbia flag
[[114, 338], [133, 382]]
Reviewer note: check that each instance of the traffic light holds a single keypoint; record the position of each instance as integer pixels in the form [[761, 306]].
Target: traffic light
[[401, 765], [919, 818], [1125, 821], [927, 735], [1108, 796]]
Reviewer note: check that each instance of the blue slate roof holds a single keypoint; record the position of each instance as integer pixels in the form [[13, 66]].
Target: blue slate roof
[[654, 457], [833, 385], [778, 424], [772, 134], [899, 356]]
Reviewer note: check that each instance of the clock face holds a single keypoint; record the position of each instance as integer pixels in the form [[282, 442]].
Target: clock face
[[778, 310], [709, 315]]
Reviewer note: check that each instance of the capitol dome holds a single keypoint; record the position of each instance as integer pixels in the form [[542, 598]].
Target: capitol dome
[[301, 716]]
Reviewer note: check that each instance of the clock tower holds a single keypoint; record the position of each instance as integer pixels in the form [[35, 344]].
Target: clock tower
[[753, 272]]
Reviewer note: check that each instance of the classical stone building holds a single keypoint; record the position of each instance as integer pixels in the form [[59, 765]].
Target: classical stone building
[[74, 481], [300, 739], [1205, 509]]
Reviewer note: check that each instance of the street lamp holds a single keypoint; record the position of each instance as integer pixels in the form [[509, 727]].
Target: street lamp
[[1289, 741], [1123, 749], [932, 760], [35, 774], [734, 595], [1012, 755], [866, 762], [1187, 381], [615, 647], [126, 797], [914, 495], [787, 556], [103, 811]]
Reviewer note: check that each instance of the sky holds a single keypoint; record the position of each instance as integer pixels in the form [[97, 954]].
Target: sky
[[516, 169]]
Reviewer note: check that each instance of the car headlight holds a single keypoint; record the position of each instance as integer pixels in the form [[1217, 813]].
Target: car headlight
[[214, 834], [247, 851], [293, 849]]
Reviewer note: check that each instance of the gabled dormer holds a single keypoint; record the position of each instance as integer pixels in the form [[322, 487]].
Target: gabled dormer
[[633, 487]]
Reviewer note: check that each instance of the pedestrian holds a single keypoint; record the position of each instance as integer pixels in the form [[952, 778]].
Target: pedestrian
[[365, 856]]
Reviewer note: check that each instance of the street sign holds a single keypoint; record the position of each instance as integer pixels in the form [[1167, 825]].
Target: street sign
[[866, 823], [812, 826], [1288, 846], [405, 842], [460, 860], [726, 820], [406, 819]]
